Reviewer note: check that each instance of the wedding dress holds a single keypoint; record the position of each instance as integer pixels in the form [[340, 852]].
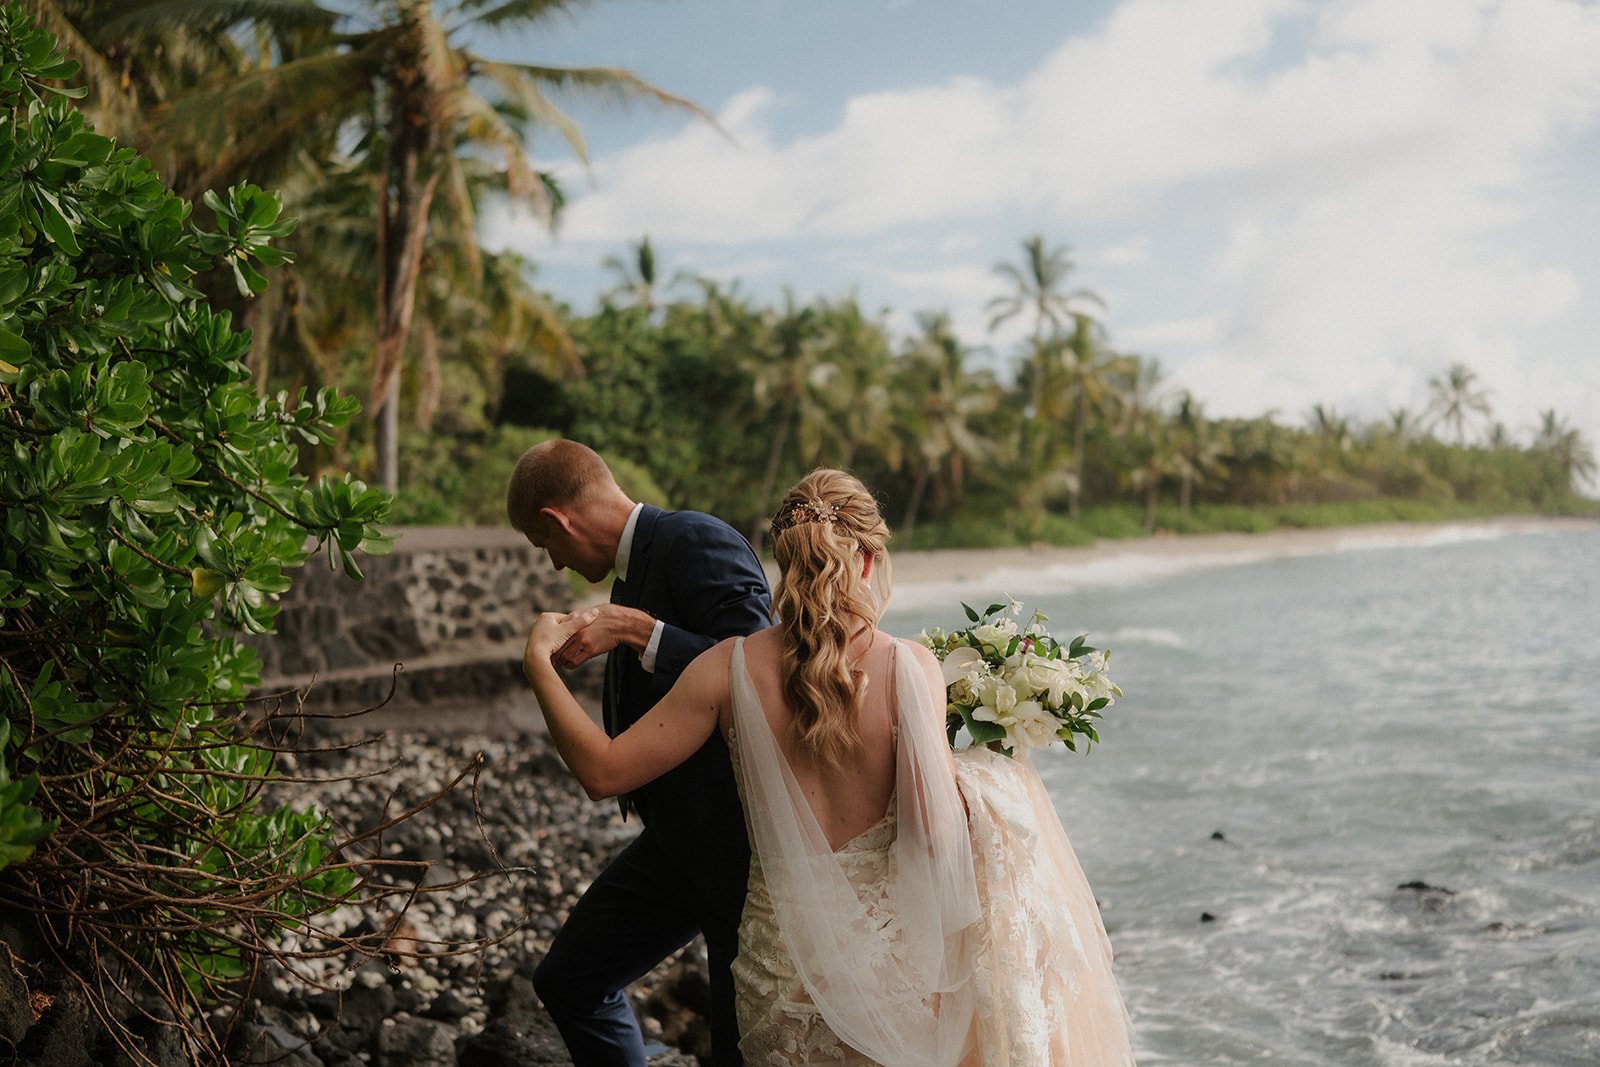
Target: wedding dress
[[939, 937]]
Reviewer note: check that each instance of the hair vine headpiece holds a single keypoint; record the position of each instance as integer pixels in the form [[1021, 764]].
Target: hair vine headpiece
[[797, 512]]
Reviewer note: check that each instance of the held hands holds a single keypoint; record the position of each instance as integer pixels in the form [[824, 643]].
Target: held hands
[[568, 640], [550, 631], [600, 630]]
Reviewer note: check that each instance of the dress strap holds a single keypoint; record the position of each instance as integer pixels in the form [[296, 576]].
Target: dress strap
[[894, 691]]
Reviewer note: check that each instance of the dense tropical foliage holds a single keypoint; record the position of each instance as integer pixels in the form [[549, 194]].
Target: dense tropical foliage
[[722, 399], [386, 129], [151, 507]]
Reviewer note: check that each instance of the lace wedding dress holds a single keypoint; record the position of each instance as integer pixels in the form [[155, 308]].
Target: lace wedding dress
[[938, 937]]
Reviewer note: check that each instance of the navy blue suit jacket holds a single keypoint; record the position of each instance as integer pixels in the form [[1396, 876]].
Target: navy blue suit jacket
[[699, 577]]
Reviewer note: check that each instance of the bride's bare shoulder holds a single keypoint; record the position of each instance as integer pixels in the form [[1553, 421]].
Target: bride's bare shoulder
[[766, 642], [924, 655]]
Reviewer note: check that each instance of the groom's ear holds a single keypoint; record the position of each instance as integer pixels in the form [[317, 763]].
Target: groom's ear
[[555, 518]]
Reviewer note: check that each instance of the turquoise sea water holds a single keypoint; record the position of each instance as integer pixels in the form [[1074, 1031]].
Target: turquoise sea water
[[1303, 736]]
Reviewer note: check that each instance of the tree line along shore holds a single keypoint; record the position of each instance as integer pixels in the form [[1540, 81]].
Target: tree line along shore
[[703, 396]]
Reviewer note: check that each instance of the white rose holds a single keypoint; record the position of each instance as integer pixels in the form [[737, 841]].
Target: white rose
[[1065, 682], [1041, 674], [992, 636], [1032, 726]]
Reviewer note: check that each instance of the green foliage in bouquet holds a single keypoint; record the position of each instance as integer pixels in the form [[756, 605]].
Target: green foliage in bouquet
[[150, 508], [1017, 687]]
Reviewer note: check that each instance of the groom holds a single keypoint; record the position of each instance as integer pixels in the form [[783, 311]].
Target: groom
[[684, 581]]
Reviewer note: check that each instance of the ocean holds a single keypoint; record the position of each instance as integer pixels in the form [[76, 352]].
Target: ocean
[[1348, 809]]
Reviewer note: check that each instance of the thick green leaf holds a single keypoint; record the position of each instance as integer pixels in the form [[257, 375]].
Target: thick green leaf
[[54, 222]]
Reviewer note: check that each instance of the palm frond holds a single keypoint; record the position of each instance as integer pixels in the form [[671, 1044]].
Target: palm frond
[[607, 86], [104, 82], [257, 117], [497, 13], [161, 17], [525, 94]]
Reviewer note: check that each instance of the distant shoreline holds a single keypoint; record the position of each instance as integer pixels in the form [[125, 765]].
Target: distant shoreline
[[925, 573], [919, 573]]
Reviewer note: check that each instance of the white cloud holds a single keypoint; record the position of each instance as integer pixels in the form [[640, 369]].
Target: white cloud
[[1341, 189]]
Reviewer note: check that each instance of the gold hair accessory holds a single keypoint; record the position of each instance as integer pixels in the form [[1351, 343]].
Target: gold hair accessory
[[797, 512]]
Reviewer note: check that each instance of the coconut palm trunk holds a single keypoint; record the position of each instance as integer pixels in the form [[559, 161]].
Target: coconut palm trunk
[[403, 206]]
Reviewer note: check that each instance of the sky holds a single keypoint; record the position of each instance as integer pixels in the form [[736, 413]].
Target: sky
[[1286, 202]]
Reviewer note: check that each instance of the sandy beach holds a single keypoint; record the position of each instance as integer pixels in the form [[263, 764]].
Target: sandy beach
[[936, 575]]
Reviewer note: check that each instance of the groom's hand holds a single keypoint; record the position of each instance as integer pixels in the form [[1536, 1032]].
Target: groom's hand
[[602, 629]]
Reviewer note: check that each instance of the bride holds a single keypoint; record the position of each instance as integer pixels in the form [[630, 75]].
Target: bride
[[906, 906]]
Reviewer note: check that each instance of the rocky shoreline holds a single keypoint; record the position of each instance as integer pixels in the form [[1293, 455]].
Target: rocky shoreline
[[501, 858], [524, 841]]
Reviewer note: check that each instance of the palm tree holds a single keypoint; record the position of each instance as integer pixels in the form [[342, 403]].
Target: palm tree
[[850, 398], [1454, 399], [1146, 432], [1088, 370], [1156, 455], [936, 403], [401, 80], [785, 368], [1198, 447], [1038, 287], [1402, 425], [636, 277], [135, 55], [1573, 454], [1330, 426]]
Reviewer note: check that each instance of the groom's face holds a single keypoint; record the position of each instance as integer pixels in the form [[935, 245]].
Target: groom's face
[[565, 544]]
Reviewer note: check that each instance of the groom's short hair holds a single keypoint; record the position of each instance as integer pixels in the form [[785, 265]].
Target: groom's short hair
[[554, 474]]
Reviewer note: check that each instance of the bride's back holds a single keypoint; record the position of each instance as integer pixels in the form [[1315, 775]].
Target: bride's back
[[823, 673], [851, 796]]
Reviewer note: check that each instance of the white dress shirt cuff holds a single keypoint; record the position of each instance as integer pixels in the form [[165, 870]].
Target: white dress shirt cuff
[[647, 659]]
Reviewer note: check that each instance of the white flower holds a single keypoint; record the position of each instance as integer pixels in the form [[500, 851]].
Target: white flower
[[985, 713], [961, 691], [960, 661], [1032, 726], [1025, 691], [1096, 683], [996, 700], [1037, 672], [995, 635]]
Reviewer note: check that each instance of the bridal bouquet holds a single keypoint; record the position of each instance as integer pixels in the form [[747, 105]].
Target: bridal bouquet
[[1018, 685]]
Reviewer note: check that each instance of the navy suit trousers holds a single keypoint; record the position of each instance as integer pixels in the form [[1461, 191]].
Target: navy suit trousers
[[644, 906]]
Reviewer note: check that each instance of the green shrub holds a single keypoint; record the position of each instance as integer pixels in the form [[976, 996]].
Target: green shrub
[[961, 532], [1114, 522], [150, 510], [1062, 532]]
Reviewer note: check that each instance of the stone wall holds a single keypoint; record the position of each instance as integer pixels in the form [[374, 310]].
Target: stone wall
[[451, 606]]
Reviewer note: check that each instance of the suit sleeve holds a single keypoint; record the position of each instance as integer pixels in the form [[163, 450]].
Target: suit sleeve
[[717, 589]]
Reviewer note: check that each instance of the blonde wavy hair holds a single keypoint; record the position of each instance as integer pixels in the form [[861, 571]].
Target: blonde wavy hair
[[822, 532]]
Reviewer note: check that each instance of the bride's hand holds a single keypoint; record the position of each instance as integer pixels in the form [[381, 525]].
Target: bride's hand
[[550, 631]]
